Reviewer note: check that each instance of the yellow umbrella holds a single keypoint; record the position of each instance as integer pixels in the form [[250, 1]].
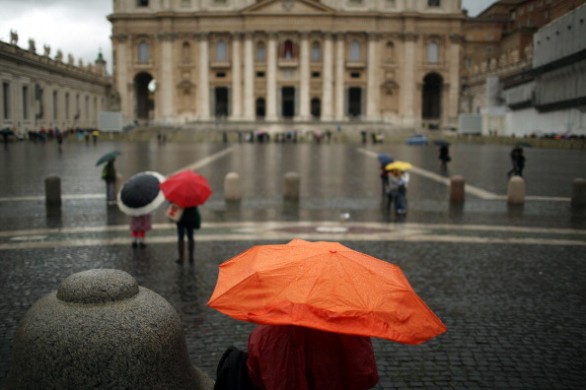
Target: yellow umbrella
[[398, 165]]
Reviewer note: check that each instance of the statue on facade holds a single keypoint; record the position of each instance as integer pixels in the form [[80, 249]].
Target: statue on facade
[[31, 45], [80, 63], [47, 50], [13, 37], [70, 59], [59, 55]]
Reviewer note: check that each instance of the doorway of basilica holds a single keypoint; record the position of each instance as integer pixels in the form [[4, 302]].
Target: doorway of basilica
[[221, 102], [144, 97], [432, 96], [288, 102], [354, 102]]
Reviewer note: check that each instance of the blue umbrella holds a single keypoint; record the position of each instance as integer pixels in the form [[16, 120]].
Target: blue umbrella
[[385, 159]]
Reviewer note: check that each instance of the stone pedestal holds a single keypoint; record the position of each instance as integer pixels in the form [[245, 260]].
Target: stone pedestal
[[53, 191], [457, 189], [516, 190], [579, 193], [101, 330], [291, 190], [232, 187]]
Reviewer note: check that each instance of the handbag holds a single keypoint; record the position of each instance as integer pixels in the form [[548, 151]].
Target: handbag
[[174, 212]]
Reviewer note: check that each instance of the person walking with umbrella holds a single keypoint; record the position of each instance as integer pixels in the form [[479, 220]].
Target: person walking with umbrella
[[138, 198], [397, 186], [109, 175], [186, 190], [444, 155]]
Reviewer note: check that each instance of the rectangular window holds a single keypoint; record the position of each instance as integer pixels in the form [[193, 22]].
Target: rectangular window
[[6, 100], [355, 75], [25, 102], [185, 3], [260, 75], [315, 75], [433, 3], [142, 3], [220, 75]]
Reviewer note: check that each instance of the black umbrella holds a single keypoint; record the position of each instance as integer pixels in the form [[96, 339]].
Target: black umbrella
[[141, 194], [6, 130], [441, 142]]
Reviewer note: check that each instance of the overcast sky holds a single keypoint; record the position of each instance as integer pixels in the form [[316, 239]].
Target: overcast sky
[[80, 27]]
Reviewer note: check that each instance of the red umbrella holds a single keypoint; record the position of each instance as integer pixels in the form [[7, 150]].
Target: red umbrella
[[186, 189]]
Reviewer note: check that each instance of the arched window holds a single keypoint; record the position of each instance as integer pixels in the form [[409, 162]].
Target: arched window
[[288, 50], [186, 53], [221, 51], [355, 51], [432, 53], [261, 52], [143, 53], [315, 52]]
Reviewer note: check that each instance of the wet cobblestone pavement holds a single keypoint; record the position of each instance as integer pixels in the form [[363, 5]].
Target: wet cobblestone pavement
[[507, 281]]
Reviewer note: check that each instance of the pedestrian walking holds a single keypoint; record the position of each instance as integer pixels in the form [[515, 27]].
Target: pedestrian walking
[[188, 220], [109, 176], [397, 191], [138, 198], [444, 156], [517, 161], [139, 225]]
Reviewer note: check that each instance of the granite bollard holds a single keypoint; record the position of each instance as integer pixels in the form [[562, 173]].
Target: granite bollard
[[100, 329], [516, 190], [232, 187], [53, 191], [579, 192], [457, 189], [291, 191]]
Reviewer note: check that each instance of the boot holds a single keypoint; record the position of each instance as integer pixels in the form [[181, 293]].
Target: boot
[[181, 250], [190, 250]]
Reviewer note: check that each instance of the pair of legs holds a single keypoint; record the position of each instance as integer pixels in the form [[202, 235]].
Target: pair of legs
[[182, 231], [111, 192], [138, 238], [400, 201]]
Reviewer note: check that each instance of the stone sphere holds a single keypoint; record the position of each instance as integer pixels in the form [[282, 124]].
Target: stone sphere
[[100, 329]]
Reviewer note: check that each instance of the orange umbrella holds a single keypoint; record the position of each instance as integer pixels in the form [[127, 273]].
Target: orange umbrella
[[326, 286]]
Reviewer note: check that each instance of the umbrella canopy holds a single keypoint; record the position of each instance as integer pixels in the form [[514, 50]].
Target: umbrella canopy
[[326, 286], [107, 157], [141, 194], [399, 165], [384, 159], [418, 139], [186, 189], [6, 130], [441, 142]]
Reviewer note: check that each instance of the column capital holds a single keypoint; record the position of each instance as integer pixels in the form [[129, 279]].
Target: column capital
[[120, 38], [166, 36], [409, 36]]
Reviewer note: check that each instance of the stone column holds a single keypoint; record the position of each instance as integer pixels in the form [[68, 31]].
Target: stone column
[[204, 87], [248, 78], [372, 93], [271, 101], [236, 113], [327, 92], [165, 83], [454, 78], [340, 65], [304, 78], [122, 84], [408, 84]]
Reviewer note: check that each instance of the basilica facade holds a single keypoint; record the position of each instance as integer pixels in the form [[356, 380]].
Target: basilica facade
[[394, 62]]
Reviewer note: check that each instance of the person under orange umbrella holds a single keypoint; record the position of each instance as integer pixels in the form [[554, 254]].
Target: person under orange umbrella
[[309, 292]]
